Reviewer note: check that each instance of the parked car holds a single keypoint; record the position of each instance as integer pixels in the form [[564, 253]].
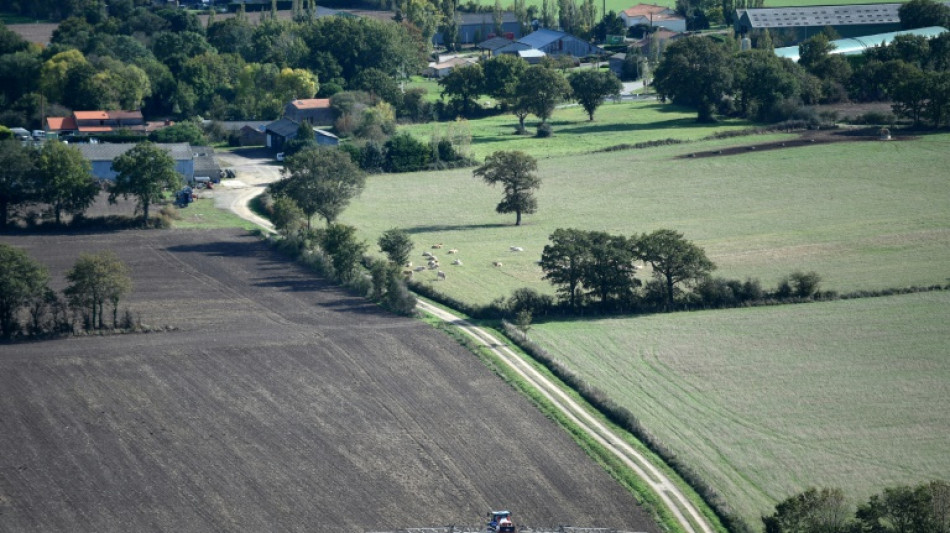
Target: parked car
[[280, 156]]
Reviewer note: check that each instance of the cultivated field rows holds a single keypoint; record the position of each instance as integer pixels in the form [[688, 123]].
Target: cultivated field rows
[[279, 402]]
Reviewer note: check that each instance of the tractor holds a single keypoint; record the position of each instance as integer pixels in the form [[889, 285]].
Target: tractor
[[500, 522]]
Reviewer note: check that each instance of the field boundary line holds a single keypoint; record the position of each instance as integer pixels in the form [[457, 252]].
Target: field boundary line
[[686, 513]]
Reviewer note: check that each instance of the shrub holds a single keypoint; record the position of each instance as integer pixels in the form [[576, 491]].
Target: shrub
[[405, 153], [530, 300]]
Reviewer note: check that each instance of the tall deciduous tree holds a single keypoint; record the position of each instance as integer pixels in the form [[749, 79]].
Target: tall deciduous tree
[[674, 259], [96, 279], [66, 181], [463, 85], [592, 86], [608, 272], [321, 181], [697, 72], [143, 172], [502, 73], [923, 13], [812, 511], [515, 171], [541, 89], [22, 280], [17, 182], [563, 262]]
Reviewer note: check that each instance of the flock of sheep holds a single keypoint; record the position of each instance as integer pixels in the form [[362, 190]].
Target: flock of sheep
[[432, 262]]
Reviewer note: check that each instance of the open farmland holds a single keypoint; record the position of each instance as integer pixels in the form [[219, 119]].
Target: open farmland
[[864, 215], [574, 133], [767, 402], [278, 402]]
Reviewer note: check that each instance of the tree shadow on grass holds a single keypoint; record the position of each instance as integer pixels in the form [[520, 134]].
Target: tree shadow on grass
[[434, 228]]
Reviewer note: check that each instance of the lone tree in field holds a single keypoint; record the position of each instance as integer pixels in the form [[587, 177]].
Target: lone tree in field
[[143, 172], [673, 258], [94, 280], [516, 173], [65, 179], [322, 181], [17, 182], [397, 245], [592, 86], [21, 280]]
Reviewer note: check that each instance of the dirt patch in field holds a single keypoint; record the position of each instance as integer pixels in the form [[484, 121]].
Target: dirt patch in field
[[279, 403], [807, 138]]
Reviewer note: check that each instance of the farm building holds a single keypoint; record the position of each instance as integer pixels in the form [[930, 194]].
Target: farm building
[[475, 27], [101, 156], [444, 68], [857, 45], [852, 20], [653, 16], [280, 132], [99, 122], [493, 44], [249, 132], [325, 138], [552, 42], [315, 111]]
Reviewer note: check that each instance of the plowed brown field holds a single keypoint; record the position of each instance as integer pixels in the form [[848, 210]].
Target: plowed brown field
[[280, 403]]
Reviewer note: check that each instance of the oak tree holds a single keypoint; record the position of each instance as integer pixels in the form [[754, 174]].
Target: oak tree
[[515, 171]]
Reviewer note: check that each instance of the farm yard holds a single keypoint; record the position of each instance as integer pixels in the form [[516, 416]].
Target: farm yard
[[767, 402], [273, 401]]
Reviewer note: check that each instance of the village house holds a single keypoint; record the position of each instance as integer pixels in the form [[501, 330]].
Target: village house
[[314, 111], [653, 16]]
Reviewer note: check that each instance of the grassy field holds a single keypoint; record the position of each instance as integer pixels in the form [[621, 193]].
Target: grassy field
[[202, 214], [767, 402], [864, 215], [627, 122]]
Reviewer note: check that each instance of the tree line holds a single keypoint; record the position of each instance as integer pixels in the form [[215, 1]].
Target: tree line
[[126, 56], [924, 508], [58, 177], [29, 308], [714, 76], [524, 90]]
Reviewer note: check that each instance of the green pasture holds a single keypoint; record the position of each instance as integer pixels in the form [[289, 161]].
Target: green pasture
[[864, 215], [202, 214], [767, 402], [613, 124]]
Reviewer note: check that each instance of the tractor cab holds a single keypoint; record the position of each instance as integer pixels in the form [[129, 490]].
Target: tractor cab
[[500, 522]]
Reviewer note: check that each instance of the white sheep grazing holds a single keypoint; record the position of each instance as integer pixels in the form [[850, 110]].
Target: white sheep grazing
[[433, 266], [407, 274], [516, 249], [453, 251], [440, 275], [437, 246], [409, 264], [457, 262], [419, 268], [433, 258], [426, 254], [497, 263]]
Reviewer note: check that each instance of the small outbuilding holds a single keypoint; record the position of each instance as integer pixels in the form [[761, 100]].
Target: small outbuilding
[[315, 111], [653, 16]]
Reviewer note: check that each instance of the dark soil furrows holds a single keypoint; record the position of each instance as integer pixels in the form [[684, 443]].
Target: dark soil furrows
[[303, 409]]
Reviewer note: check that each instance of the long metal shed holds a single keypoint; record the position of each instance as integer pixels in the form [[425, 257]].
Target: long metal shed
[[857, 45]]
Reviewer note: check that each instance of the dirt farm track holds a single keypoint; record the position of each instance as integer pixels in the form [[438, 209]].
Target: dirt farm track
[[278, 403]]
